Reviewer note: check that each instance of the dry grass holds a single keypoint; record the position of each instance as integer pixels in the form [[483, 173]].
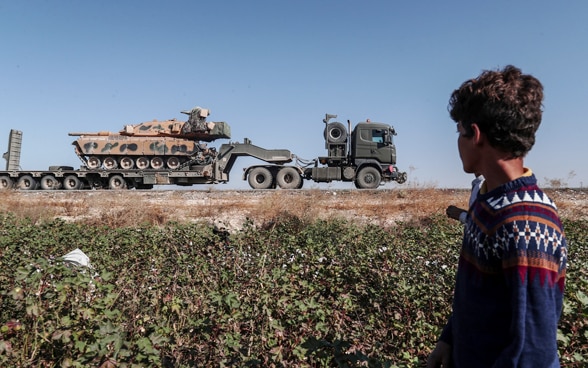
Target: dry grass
[[231, 209]]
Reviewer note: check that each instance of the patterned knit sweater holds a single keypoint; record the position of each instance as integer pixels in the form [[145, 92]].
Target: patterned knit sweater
[[510, 280]]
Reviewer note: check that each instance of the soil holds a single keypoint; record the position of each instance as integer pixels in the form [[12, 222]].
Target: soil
[[230, 209]]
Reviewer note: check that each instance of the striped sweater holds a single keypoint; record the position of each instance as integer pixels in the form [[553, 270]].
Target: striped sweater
[[510, 280]]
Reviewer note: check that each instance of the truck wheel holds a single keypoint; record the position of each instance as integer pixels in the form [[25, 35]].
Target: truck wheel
[[6, 182], [335, 133], [117, 182], [289, 178], [260, 178], [71, 182], [48, 182], [26, 182], [368, 178]]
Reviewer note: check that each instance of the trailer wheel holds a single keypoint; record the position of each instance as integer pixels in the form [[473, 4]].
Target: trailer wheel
[[6, 182], [117, 182], [335, 133], [368, 178], [26, 182], [288, 178], [72, 182], [48, 182], [260, 178]]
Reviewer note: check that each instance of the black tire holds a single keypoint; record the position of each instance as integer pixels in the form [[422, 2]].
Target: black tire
[[335, 133], [402, 178], [71, 182], [289, 178], [117, 182], [26, 182], [48, 182], [260, 178], [368, 178], [6, 182]]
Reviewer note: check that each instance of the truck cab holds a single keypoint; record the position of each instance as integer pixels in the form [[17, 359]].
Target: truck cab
[[373, 141]]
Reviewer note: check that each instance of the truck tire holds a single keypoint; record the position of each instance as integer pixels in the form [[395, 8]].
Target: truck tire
[[48, 182], [117, 182], [71, 182], [260, 178], [26, 182], [368, 178], [289, 178], [6, 182], [335, 133]]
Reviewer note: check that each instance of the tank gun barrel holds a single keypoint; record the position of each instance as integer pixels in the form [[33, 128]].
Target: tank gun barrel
[[78, 134]]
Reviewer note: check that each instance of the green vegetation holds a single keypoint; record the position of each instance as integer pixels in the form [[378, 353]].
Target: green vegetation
[[292, 292]]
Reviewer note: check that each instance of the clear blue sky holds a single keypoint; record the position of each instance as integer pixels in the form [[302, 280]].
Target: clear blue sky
[[272, 69]]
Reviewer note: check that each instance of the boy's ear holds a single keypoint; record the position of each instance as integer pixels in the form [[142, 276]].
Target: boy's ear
[[478, 135]]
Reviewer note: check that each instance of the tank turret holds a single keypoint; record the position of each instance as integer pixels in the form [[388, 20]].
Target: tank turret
[[169, 144]]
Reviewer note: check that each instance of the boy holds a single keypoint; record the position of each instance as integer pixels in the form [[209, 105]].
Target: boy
[[511, 271]]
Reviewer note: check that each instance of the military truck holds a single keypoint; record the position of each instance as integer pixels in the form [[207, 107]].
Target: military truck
[[171, 152], [365, 156]]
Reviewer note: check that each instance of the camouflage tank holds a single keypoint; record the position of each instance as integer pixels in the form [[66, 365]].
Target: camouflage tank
[[169, 144]]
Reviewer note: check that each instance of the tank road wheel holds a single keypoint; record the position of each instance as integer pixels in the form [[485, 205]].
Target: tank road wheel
[[117, 182], [93, 163], [288, 178], [48, 182], [126, 163], [260, 178], [26, 182], [157, 163], [173, 162], [110, 163], [6, 182], [368, 178], [72, 182], [142, 163]]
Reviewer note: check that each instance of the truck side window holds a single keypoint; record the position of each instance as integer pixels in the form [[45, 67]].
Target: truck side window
[[377, 136]]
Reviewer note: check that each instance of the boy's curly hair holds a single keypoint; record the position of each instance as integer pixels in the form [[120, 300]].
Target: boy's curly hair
[[505, 104]]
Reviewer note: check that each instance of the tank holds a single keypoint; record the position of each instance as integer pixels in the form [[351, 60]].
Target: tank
[[169, 144]]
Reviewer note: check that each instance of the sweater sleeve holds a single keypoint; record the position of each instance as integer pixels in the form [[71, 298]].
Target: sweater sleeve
[[534, 277], [446, 334]]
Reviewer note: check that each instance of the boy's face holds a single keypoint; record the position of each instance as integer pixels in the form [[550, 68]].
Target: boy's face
[[465, 145]]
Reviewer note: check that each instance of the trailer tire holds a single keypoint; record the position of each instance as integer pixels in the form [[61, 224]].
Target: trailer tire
[[6, 182], [117, 182], [335, 133], [26, 182], [288, 178], [260, 178], [48, 182], [71, 182], [368, 178]]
